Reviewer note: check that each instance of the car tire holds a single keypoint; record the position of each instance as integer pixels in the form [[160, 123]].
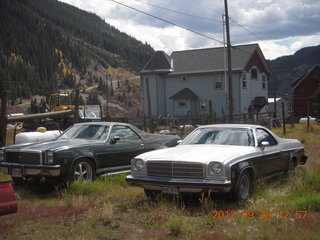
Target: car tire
[[151, 194], [291, 169], [243, 189], [82, 169]]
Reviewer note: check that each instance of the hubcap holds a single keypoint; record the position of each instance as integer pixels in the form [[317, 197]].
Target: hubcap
[[83, 171], [291, 170], [244, 187]]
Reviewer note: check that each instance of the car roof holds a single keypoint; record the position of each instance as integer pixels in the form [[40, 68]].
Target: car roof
[[103, 123], [251, 126]]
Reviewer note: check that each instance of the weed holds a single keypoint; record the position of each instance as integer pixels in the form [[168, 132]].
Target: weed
[[121, 207], [105, 214], [206, 203], [176, 226]]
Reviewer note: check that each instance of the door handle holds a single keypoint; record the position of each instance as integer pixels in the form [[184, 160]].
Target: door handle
[[141, 145]]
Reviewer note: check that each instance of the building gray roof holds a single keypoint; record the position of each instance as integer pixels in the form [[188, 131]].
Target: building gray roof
[[159, 62], [185, 93], [205, 60]]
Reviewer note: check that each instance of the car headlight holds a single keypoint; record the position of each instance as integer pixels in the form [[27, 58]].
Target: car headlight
[[1, 155], [137, 165], [49, 157], [215, 168]]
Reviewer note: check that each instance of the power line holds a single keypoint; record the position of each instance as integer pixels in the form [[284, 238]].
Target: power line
[[246, 29], [178, 12], [256, 36], [206, 7], [171, 23]]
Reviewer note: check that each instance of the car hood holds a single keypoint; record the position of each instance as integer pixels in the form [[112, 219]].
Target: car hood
[[55, 145], [200, 153]]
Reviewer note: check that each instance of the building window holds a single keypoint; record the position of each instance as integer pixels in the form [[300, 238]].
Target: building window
[[244, 80], [203, 105], [264, 81], [182, 103], [184, 79], [218, 82], [254, 73]]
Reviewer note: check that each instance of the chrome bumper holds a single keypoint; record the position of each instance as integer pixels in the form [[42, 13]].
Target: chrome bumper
[[183, 185], [30, 169]]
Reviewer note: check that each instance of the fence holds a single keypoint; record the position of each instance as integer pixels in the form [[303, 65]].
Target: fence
[[180, 122]]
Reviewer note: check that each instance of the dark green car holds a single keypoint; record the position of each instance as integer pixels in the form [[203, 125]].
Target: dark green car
[[83, 151]]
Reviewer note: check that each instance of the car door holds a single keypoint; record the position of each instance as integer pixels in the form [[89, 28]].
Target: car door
[[122, 145], [270, 160]]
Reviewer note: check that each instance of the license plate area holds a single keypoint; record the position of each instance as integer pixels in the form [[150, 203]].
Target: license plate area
[[16, 172], [169, 190]]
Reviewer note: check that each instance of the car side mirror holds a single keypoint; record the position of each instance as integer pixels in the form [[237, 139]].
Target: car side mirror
[[115, 139], [264, 144], [179, 141]]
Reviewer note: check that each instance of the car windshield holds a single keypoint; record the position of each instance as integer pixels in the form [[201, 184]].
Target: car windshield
[[90, 132], [221, 136]]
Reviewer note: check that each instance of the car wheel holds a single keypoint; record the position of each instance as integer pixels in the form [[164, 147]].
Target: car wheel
[[82, 169], [151, 194], [243, 189], [291, 169]]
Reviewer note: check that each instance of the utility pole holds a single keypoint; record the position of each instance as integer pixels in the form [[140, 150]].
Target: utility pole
[[230, 90]]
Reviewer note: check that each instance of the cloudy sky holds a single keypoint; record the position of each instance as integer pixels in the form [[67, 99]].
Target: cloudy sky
[[280, 27]]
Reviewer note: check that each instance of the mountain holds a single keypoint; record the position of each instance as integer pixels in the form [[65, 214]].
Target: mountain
[[286, 69], [47, 45]]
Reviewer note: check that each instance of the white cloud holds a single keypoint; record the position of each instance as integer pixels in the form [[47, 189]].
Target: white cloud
[[284, 26], [306, 41]]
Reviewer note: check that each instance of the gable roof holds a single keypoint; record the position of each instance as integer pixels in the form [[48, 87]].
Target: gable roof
[[210, 60], [185, 93], [297, 82], [159, 62]]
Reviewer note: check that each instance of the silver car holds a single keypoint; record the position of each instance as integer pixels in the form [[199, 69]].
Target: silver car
[[217, 158]]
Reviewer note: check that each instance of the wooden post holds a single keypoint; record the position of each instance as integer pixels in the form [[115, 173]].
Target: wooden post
[[3, 116], [283, 119], [101, 114], [107, 99], [210, 112], [76, 106], [14, 133], [274, 104], [150, 122], [308, 113]]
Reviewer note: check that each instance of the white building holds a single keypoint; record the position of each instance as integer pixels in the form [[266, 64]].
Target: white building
[[186, 81]]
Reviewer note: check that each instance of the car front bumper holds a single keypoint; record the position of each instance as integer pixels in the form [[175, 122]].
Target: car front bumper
[[184, 185], [21, 170]]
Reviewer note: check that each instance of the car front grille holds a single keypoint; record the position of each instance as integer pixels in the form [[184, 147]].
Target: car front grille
[[33, 157], [175, 169]]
